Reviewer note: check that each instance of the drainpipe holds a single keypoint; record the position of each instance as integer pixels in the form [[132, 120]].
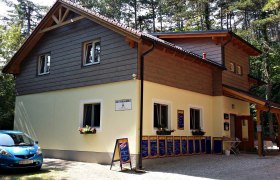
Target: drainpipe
[[141, 101]]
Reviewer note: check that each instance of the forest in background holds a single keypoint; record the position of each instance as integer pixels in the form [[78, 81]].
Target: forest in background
[[257, 21]]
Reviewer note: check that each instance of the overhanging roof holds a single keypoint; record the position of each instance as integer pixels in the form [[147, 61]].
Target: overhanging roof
[[248, 97], [13, 66], [225, 34]]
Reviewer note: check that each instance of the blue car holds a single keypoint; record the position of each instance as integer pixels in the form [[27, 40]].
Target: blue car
[[19, 151]]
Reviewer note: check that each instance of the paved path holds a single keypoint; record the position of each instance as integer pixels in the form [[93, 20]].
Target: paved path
[[188, 167]]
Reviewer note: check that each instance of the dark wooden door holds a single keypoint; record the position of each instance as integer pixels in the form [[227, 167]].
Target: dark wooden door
[[247, 139]]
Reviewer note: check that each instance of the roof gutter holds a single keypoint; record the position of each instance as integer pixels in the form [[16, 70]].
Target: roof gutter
[[141, 101]]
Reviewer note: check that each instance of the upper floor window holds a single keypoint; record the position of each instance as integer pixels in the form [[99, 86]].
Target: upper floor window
[[92, 51], [232, 67], [195, 119], [239, 70], [160, 115], [44, 63]]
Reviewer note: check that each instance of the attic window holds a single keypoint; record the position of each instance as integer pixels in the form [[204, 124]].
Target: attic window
[[44, 63], [239, 70], [232, 67], [92, 51]]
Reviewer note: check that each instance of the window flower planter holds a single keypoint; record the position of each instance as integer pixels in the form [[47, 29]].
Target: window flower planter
[[87, 130], [162, 131], [198, 132]]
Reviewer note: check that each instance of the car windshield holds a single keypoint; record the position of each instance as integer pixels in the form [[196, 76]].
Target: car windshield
[[15, 140]]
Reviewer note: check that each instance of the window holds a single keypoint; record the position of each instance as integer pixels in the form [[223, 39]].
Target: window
[[195, 119], [92, 51], [232, 67], [239, 70], [44, 64], [91, 115], [160, 116]]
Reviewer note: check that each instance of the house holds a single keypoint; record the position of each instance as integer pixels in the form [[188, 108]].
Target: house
[[79, 68]]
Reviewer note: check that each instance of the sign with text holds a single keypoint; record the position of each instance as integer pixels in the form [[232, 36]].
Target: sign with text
[[184, 142], [121, 152], [153, 146], [177, 145], [145, 147], [180, 116], [123, 105], [161, 146]]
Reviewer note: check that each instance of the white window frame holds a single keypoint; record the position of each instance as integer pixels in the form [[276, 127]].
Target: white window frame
[[239, 70], [201, 116], [232, 67], [169, 107], [85, 44], [81, 114], [45, 64]]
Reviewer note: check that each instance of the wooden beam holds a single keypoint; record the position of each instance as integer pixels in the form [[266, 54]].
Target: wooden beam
[[65, 15], [277, 115], [244, 96], [62, 24], [60, 14], [259, 131], [130, 42], [55, 19]]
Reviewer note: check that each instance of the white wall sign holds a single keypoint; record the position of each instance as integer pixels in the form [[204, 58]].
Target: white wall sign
[[124, 104]]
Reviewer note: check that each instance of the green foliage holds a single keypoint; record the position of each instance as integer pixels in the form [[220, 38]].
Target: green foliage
[[7, 100]]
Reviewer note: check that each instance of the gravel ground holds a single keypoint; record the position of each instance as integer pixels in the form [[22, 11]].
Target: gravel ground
[[244, 166]]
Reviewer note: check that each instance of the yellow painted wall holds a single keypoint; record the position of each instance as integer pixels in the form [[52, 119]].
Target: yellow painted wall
[[237, 107], [177, 99], [53, 118], [213, 109]]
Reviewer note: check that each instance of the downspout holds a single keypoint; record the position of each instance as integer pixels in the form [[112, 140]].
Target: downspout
[[141, 102]]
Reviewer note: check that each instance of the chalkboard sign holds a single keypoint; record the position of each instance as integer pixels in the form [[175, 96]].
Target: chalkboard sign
[[145, 147], [217, 145], [153, 146], [177, 145], [203, 145], [169, 144], [180, 117], [121, 152], [184, 143], [190, 144], [208, 145], [161, 146], [197, 145]]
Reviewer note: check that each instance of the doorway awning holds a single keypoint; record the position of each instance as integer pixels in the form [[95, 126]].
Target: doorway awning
[[248, 97]]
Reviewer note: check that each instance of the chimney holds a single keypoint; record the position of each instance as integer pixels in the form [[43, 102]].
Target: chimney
[[204, 55]]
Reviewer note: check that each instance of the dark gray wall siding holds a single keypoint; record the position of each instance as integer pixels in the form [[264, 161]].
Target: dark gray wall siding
[[118, 61], [200, 45]]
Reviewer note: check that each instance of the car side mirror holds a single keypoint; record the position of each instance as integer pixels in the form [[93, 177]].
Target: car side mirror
[[36, 142]]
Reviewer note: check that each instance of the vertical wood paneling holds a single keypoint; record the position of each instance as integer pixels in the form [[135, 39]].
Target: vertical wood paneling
[[239, 57]]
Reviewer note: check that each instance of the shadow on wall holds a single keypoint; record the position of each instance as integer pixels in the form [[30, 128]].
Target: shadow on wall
[[22, 121]]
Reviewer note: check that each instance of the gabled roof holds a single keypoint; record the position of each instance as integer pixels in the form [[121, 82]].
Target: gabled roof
[[225, 34], [46, 24]]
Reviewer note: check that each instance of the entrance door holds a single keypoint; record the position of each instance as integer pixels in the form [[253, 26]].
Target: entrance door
[[244, 131]]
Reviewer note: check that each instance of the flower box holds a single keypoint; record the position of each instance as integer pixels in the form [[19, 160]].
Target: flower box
[[163, 132], [198, 133], [87, 130]]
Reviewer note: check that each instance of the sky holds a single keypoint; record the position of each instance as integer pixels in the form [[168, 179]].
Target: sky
[[4, 8]]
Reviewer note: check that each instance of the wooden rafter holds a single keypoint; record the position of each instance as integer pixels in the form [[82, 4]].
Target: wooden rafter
[[59, 19]]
